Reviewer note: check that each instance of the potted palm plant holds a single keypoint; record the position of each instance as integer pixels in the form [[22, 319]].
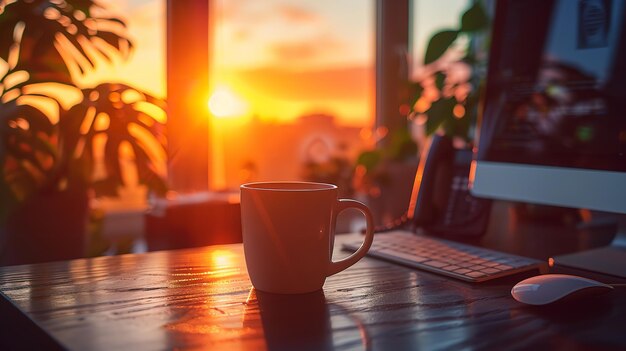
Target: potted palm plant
[[61, 144]]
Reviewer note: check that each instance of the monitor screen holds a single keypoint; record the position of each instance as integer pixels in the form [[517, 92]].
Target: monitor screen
[[553, 124]]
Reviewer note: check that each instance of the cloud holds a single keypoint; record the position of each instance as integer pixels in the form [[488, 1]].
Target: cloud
[[288, 34], [297, 14], [254, 12], [304, 50], [351, 83]]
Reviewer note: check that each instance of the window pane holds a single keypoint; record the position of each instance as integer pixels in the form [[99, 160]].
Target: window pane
[[293, 84], [144, 69]]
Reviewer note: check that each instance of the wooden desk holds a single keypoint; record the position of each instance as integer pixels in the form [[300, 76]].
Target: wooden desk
[[202, 299]]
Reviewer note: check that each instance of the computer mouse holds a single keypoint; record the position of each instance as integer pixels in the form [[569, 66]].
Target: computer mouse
[[549, 288]]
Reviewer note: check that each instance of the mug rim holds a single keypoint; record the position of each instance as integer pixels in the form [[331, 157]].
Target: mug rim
[[288, 186]]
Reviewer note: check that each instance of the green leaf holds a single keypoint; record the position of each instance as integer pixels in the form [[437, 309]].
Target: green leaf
[[37, 120], [40, 59], [415, 92], [25, 156], [440, 80], [369, 159], [470, 58], [439, 112], [439, 44], [87, 61], [106, 187], [147, 174], [401, 146], [457, 127], [8, 21], [38, 144], [474, 19], [69, 129], [112, 160], [84, 5], [114, 40]]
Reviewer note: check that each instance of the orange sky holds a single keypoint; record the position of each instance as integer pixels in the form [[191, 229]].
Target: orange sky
[[281, 95], [281, 58], [145, 69], [285, 58], [291, 58]]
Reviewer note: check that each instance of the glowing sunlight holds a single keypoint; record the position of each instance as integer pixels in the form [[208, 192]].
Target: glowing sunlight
[[224, 103]]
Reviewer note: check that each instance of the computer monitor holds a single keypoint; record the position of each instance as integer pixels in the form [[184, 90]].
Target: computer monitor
[[553, 122]]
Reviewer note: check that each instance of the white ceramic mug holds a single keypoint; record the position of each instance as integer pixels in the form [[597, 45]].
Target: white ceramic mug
[[288, 234]]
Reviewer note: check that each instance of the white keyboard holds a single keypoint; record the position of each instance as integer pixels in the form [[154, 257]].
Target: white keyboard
[[453, 259]]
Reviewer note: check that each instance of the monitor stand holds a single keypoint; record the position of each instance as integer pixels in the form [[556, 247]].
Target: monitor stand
[[607, 260]]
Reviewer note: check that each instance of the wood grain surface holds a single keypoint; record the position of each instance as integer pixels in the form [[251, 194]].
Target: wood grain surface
[[202, 299]]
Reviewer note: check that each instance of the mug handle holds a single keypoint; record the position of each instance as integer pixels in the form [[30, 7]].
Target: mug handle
[[343, 204]]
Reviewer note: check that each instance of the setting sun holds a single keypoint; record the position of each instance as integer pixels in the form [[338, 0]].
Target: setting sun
[[224, 103]]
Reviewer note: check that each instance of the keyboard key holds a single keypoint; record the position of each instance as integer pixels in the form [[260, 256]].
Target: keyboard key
[[462, 271], [490, 270], [403, 255], [449, 258], [478, 261]]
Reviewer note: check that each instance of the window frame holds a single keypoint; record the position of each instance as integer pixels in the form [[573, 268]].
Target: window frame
[[188, 32]]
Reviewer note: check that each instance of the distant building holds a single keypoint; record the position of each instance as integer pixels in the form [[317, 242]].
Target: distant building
[[279, 151]]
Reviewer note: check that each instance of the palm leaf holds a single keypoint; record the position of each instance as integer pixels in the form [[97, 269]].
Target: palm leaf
[[11, 112], [112, 159], [8, 23], [147, 174], [27, 150], [122, 118], [44, 21], [53, 39], [69, 129]]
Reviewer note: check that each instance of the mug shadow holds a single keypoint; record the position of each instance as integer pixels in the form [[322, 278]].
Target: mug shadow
[[291, 322]]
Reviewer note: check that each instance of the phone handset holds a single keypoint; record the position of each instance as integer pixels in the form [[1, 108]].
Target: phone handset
[[440, 201], [429, 186]]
